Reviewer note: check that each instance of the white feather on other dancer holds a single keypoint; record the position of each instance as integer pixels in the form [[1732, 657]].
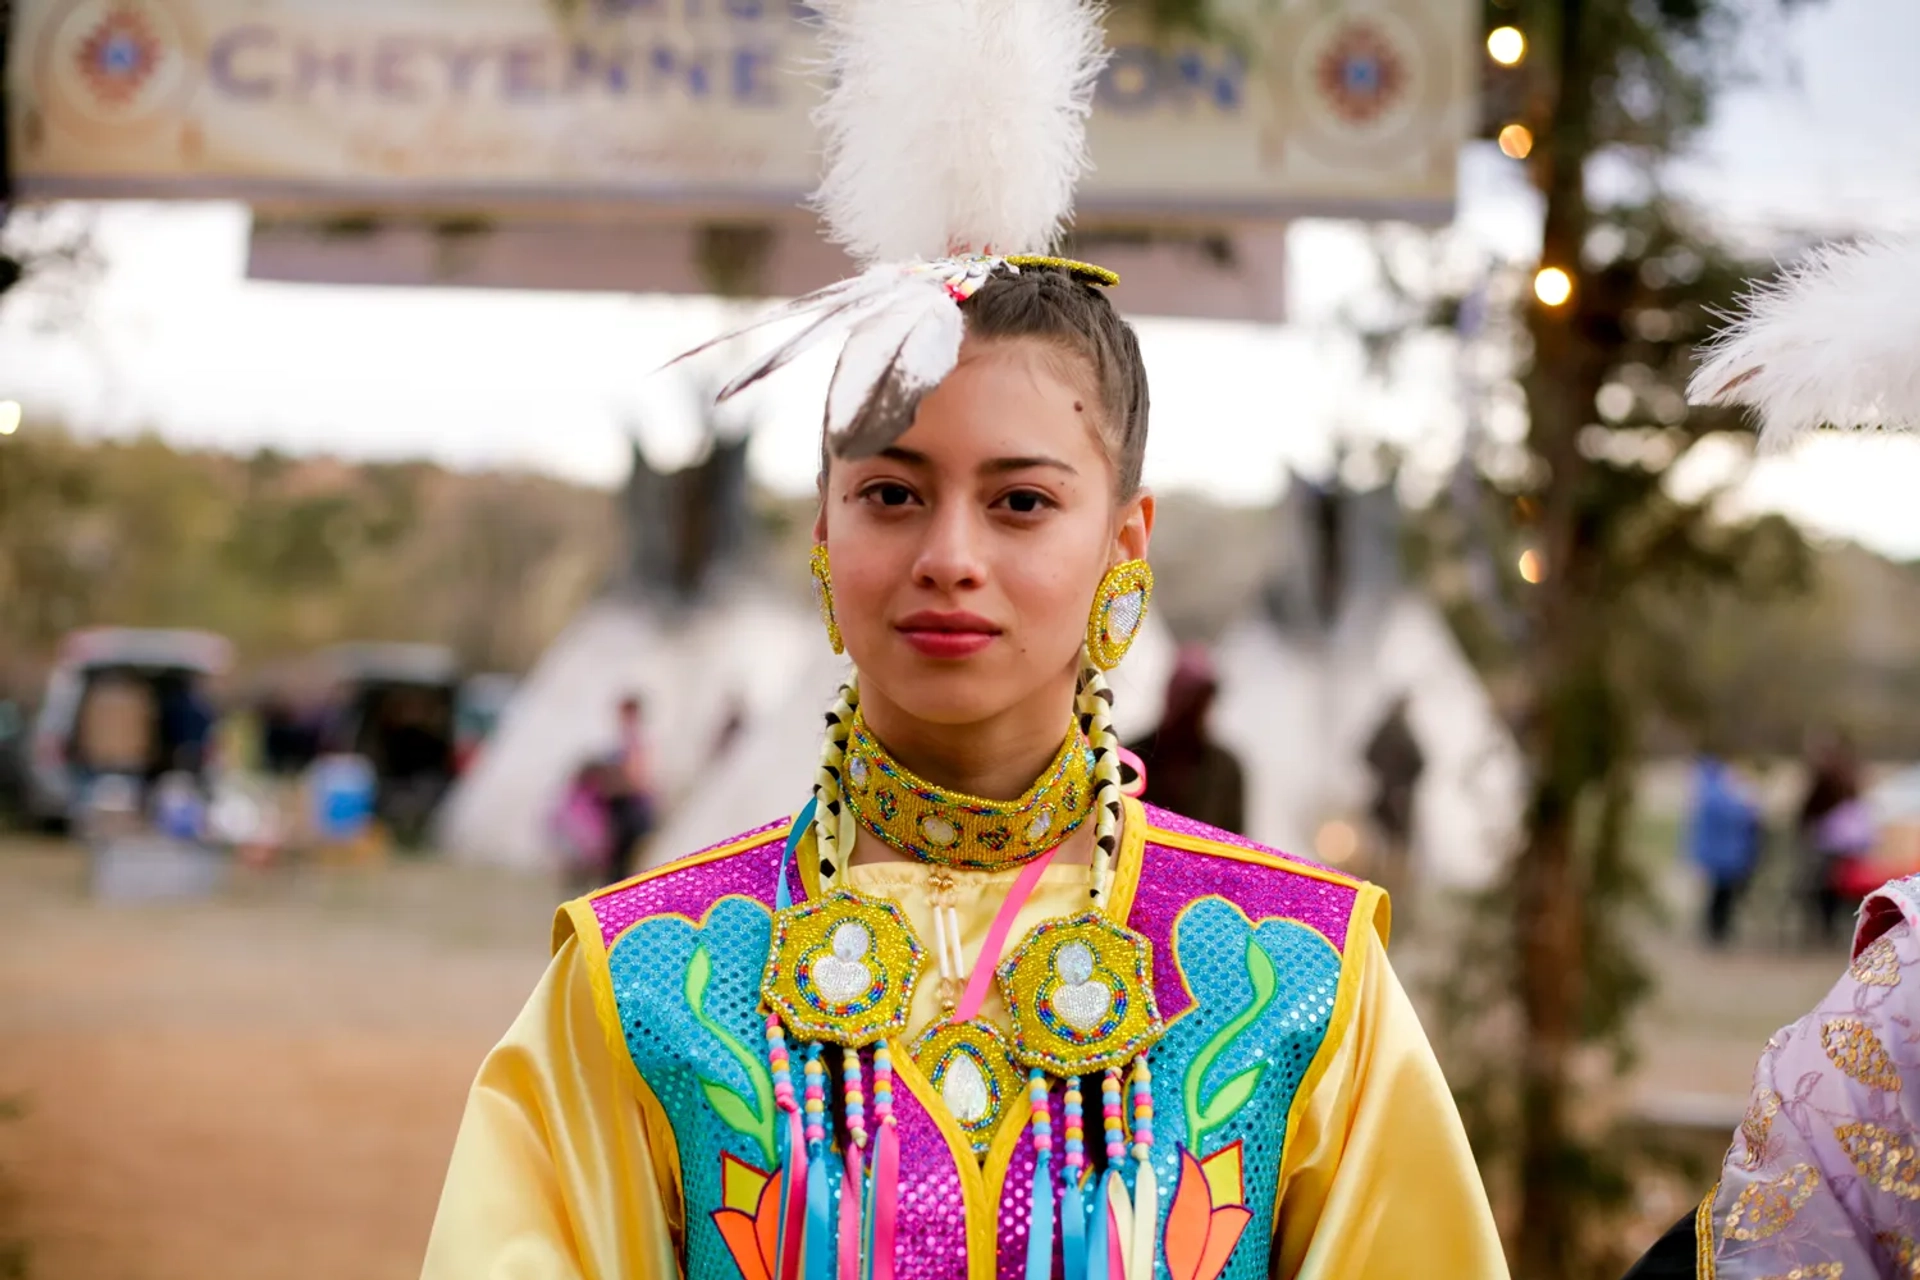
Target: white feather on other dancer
[[1832, 343]]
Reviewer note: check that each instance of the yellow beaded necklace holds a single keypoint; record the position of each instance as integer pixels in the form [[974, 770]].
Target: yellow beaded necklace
[[951, 828]]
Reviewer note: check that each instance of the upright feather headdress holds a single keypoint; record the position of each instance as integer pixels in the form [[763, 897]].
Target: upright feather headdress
[[1834, 342], [955, 134]]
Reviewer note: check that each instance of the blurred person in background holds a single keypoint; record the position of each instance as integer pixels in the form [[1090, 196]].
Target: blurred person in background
[[629, 787], [842, 1043], [1186, 771], [1394, 758], [583, 829], [1724, 835], [1835, 832]]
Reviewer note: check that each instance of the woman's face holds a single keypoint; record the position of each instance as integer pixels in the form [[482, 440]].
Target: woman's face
[[965, 557]]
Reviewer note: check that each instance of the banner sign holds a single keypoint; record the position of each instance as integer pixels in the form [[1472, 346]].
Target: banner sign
[[1351, 107]]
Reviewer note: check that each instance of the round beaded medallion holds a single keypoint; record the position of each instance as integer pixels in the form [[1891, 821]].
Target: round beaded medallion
[[1080, 995], [969, 1066], [842, 969]]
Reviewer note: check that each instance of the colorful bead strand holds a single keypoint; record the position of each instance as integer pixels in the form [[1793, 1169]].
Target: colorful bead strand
[[1073, 1197], [1041, 1117], [816, 1100], [884, 1195], [856, 1099], [793, 1213], [1113, 1117], [882, 1084], [1076, 1146], [780, 1063], [1142, 1111], [1040, 1218]]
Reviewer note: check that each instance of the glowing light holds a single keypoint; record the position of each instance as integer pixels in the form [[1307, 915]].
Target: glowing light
[[1532, 567], [1506, 46], [1336, 842], [1552, 286], [1516, 140], [9, 417]]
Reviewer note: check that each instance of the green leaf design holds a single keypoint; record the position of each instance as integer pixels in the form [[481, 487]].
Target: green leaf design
[[1204, 1117], [753, 1116]]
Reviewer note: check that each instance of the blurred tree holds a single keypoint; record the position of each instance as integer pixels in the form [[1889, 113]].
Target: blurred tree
[[1611, 561]]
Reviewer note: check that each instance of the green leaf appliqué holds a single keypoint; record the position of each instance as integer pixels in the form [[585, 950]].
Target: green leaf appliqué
[[1205, 1116], [753, 1116]]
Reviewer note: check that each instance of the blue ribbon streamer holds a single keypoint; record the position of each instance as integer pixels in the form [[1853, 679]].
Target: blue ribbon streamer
[[1073, 1230], [1040, 1232], [802, 823]]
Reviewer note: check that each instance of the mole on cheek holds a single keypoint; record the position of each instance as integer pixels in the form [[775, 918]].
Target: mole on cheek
[[1078, 407]]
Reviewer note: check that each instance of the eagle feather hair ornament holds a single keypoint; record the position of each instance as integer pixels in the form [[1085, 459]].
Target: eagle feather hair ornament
[[955, 133], [1833, 342]]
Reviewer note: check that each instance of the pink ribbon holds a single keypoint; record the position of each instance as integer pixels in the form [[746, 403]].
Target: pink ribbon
[[976, 992], [793, 1225], [886, 1194]]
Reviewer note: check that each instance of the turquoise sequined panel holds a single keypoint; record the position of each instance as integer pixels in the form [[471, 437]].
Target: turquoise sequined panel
[[707, 1065], [1232, 1063]]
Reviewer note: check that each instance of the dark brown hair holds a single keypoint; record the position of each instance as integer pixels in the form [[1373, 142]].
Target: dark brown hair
[[1075, 316]]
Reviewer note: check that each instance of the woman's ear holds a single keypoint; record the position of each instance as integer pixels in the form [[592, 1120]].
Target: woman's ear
[[1131, 539]]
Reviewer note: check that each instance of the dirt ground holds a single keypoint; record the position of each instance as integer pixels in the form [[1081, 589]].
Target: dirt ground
[[268, 1084]]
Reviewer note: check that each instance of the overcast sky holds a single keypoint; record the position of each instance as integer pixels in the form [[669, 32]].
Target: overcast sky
[[1828, 140]]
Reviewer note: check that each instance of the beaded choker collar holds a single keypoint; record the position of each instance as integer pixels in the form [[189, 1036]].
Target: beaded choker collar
[[934, 824]]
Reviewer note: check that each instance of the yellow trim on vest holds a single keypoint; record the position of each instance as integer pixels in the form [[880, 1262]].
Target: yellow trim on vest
[[576, 920]]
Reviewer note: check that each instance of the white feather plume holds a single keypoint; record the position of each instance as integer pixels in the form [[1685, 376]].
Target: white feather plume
[[955, 125], [1834, 342]]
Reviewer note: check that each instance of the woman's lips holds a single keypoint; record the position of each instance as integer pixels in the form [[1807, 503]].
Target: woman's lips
[[947, 635]]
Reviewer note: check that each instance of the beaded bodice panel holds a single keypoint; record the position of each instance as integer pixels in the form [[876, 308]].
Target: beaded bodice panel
[[1247, 949]]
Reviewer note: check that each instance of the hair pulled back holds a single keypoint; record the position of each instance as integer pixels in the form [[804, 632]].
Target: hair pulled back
[[1073, 315]]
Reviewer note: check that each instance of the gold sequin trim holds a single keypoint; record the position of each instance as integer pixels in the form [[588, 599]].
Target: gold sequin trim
[[1757, 1125], [1818, 1271], [1883, 1157], [1854, 1048], [1904, 1253], [1877, 966], [1703, 1267], [1765, 1207], [1072, 266]]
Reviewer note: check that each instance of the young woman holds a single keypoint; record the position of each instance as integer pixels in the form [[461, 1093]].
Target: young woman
[[972, 1012]]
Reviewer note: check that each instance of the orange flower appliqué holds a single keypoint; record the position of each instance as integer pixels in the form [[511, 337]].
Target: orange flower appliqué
[[1207, 1215], [750, 1220]]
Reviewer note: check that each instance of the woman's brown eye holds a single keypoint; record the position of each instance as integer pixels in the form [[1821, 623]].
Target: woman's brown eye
[[890, 495], [1026, 502]]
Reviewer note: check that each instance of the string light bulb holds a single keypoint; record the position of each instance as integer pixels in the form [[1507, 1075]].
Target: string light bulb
[[10, 415], [1506, 46], [1516, 141], [1532, 566], [1552, 286]]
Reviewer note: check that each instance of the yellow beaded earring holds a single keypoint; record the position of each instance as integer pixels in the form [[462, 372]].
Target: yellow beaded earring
[[823, 594], [1119, 610]]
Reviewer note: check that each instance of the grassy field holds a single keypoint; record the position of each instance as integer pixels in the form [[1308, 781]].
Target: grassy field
[[267, 1084]]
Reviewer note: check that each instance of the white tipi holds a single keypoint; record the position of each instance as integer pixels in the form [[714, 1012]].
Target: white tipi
[[1305, 680]]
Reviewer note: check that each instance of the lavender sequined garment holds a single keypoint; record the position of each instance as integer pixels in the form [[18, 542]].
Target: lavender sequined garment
[[1823, 1179]]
